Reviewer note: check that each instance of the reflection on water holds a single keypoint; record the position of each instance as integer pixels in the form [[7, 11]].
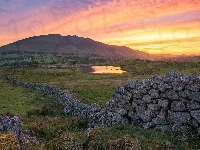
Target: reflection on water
[[101, 69]]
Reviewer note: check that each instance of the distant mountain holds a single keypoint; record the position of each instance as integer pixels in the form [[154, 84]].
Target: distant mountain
[[55, 43]]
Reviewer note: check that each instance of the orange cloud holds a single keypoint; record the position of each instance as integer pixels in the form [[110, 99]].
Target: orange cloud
[[154, 26]]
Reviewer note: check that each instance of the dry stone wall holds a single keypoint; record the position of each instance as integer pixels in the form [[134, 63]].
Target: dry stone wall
[[168, 103]]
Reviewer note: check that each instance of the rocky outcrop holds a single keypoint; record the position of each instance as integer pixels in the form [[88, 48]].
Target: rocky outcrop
[[168, 103], [14, 125]]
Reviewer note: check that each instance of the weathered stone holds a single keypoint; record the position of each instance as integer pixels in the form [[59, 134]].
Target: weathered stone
[[195, 123], [192, 105], [184, 100], [146, 116], [148, 125], [154, 106], [155, 101], [139, 101], [169, 144], [184, 93], [147, 98], [172, 95], [178, 106], [163, 103], [198, 130], [137, 96], [195, 114], [177, 86], [179, 117], [161, 88], [192, 87], [154, 93], [195, 96], [181, 128], [140, 109], [167, 86], [164, 128], [161, 118], [155, 86], [122, 112]]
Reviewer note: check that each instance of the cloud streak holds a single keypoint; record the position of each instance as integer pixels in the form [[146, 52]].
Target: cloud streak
[[154, 26]]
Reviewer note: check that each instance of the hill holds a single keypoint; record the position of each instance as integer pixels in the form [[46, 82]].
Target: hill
[[55, 43]]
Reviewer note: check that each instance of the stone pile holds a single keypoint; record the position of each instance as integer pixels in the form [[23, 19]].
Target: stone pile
[[168, 103], [12, 124]]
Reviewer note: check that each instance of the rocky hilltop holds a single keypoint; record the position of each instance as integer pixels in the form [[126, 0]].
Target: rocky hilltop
[[55, 43], [168, 103]]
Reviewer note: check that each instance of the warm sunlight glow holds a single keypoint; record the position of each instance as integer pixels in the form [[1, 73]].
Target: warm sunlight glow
[[156, 27]]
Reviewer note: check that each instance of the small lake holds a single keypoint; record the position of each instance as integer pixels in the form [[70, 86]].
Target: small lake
[[102, 69]]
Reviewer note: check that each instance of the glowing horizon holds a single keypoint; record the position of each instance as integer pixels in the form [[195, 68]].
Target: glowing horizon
[[152, 26]]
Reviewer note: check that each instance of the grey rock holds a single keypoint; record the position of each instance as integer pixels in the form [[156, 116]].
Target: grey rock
[[179, 117], [195, 123], [178, 106], [163, 103], [192, 105], [146, 116], [155, 86], [192, 87], [177, 86], [148, 125], [195, 114], [195, 96], [162, 88], [164, 128], [172, 95], [154, 107], [161, 118], [168, 144], [181, 128], [184, 93], [147, 98], [122, 112], [154, 93], [198, 131], [140, 109]]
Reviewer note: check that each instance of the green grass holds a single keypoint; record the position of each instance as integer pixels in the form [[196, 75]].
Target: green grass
[[55, 130]]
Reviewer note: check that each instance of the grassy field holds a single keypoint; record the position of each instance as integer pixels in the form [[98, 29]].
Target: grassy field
[[55, 130]]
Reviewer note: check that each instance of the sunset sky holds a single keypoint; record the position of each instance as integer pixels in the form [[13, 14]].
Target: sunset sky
[[153, 26]]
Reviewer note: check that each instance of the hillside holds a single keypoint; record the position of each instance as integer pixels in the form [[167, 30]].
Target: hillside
[[55, 43]]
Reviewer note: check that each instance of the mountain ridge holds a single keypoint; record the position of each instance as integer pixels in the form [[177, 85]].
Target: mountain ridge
[[55, 43]]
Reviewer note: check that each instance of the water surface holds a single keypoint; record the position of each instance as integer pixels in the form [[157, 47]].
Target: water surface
[[102, 69]]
